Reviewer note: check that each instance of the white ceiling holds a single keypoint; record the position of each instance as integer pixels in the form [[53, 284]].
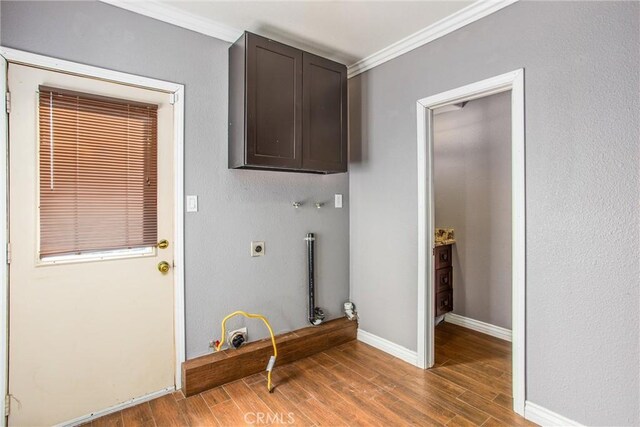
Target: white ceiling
[[345, 31]]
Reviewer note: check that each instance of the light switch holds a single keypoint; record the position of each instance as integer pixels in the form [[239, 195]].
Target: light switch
[[192, 203], [338, 200]]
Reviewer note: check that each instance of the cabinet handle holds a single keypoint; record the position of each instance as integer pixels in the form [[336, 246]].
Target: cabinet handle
[[445, 279]]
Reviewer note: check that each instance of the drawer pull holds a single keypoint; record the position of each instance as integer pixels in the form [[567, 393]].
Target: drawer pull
[[444, 256], [445, 279]]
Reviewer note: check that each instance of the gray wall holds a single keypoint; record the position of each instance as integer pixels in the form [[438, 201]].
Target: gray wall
[[581, 62], [472, 180], [235, 206]]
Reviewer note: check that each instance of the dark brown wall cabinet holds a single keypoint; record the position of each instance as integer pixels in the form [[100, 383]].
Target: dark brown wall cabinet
[[443, 279], [287, 108]]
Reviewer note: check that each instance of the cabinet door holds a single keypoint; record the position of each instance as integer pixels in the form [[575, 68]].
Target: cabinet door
[[444, 279], [324, 105], [444, 302], [274, 104], [442, 256]]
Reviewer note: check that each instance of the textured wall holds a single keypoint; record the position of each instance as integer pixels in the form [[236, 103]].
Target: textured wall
[[581, 62], [236, 206], [472, 178]]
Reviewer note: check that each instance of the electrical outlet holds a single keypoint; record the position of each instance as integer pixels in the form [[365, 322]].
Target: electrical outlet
[[257, 248], [238, 337], [242, 330]]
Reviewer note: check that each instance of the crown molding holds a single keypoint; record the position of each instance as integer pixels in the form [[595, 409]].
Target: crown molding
[[173, 15], [469, 14]]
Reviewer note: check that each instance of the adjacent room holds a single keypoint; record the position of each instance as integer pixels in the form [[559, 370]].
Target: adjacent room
[[385, 213], [472, 193], [472, 250]]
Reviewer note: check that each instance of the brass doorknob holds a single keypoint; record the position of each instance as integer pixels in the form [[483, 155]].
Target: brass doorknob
[[163, 267]]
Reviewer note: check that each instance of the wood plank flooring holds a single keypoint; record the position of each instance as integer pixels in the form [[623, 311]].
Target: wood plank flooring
[[355, 385]]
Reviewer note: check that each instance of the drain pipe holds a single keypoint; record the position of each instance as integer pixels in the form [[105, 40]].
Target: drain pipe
[[316, 315]]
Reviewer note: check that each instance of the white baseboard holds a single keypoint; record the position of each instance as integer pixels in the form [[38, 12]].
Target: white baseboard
[[545, 417], [476, 325], [115, 408], [388, 347]]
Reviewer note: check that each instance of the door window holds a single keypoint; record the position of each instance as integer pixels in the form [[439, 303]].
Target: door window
[[97, 176]]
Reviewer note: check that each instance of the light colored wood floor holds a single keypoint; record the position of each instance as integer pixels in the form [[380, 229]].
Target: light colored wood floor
[[355, 384]]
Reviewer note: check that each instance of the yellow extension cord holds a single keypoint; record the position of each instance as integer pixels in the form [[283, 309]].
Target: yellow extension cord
[[272, 360]]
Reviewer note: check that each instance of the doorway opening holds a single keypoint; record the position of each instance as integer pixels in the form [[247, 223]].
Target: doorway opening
[[472, 194], [433, 259]]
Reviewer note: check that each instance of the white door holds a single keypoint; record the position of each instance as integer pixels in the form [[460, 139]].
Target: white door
[[92, 330]]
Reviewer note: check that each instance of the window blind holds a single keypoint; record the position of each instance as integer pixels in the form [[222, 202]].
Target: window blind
[[98, 173]]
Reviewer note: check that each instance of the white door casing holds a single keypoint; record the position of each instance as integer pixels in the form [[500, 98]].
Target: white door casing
[[513, 81]]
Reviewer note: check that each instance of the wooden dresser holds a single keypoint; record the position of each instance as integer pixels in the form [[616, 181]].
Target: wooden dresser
[[443, 280]]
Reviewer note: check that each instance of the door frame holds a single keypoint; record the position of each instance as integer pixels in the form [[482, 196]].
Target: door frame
[[176, 91], [513, 81]]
